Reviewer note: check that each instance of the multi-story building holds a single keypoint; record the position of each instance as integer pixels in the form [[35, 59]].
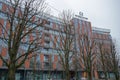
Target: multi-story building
[[46, 63], [102, 37]]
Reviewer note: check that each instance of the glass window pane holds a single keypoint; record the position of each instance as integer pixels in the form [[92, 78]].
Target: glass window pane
[[0, 6]]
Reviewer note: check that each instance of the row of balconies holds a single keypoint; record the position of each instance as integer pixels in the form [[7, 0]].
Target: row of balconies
[[47, 37], [46, 66], [41, 66]]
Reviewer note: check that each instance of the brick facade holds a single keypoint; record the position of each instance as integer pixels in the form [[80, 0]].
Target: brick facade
[[49, 33]]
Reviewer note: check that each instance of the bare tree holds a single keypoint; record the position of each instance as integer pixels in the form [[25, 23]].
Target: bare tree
[[86, 54], [109, 60], [76, 66], [22, 32], [65, 42], [103, 59], [114, 61]]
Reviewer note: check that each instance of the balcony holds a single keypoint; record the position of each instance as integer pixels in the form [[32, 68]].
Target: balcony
[[46, 38], [48, 66], [46, 45], [46, 60], [46, 31], [47, 26]]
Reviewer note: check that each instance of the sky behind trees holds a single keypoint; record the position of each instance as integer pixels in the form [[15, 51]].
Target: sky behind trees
[[102, 13]]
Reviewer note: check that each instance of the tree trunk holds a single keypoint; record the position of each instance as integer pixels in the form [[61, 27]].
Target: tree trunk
[[11, 72], [89, 76], [105, 73], [76, 75], [67, 75], [116, 75]]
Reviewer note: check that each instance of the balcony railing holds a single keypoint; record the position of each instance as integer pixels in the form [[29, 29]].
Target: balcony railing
[[47, 39], [46, 45], [46, 31]]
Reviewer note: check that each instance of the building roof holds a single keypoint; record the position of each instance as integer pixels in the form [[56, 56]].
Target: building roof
[[102, 30]]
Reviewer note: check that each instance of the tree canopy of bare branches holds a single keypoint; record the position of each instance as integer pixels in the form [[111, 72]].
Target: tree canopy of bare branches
[[22, 34], [65, 49], [103, 56], [86, 54], [115, 61], [109, 59]]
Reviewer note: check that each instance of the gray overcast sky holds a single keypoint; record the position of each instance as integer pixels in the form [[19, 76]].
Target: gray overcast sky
[[101, 13]]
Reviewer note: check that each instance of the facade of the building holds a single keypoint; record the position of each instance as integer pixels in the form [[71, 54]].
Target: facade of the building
[[103, 37], [46, 63]]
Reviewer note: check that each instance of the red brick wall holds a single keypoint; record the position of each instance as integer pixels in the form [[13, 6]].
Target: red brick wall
[[55, 61], [1, 63], [4, 7], [1, 22], [27, 63], [4, 51], [42, 59]]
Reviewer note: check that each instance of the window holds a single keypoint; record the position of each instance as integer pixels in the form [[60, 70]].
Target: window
[[32, 62], [4, 65], [2, 43], [3, 31], [0, 48], [16, 13], [45, 76], [0, 6], [27, 38], [88, 28], [44, 50], [29, 16], [52, 57], [46, 64], [38, 61], [24, 47], [38, 58], [51, 43], [3, 16], [5, 23], [59, 58], [17, 76], [54, 51], [46, 58], [36, 18], [58, 42], [59, 76], [34, 34], [81, 23], [48, 22], [51, 24], [50, 50]]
